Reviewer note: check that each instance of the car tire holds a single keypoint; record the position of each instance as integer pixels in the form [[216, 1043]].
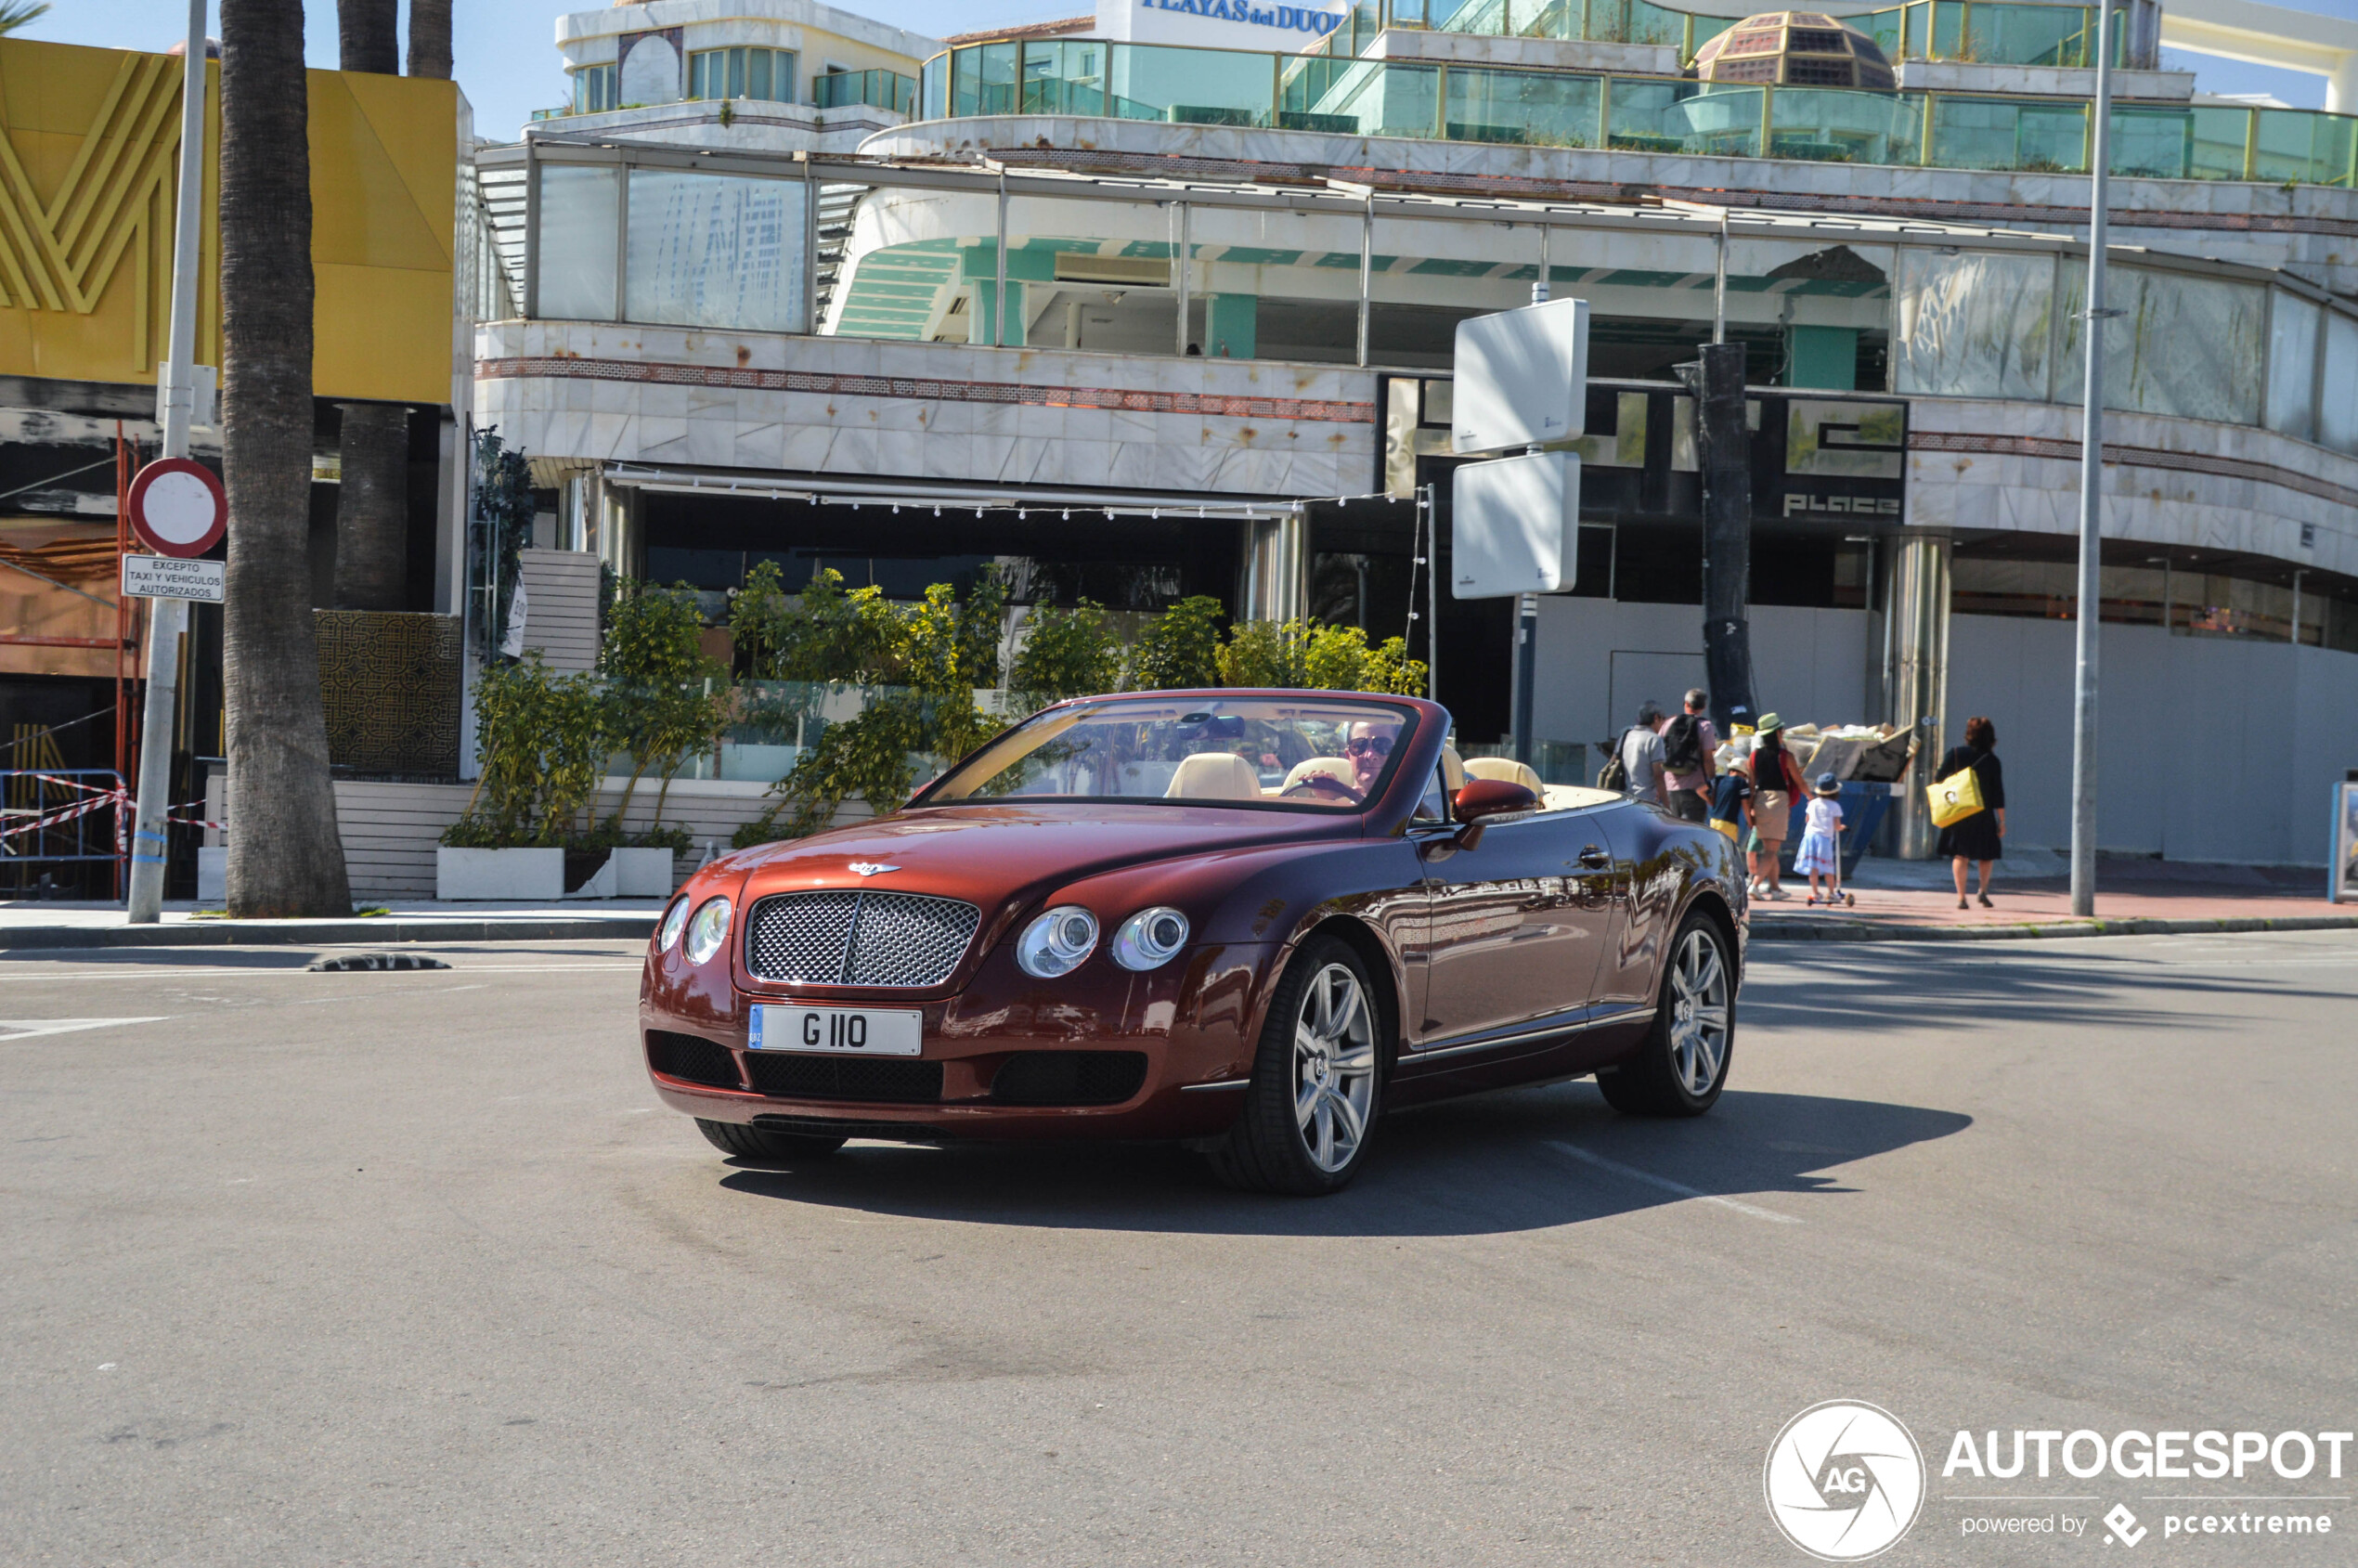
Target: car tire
[[763, 1146], [1317, 1090], [1682, 1064]]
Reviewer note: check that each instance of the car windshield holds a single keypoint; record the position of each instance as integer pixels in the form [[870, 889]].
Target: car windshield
[[1296, 754]]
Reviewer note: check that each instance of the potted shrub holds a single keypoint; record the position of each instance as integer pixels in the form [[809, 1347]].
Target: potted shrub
[[543, 741]]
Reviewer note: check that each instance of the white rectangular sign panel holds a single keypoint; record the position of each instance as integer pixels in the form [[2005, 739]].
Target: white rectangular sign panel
[[1514, 526], [162, 577], [1520, 378]]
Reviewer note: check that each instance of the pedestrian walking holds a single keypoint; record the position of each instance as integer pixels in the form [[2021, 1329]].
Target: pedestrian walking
[[1731, 801], [1775, 779], [1820, 852], [1635, 767], [1688, 743], [1982, 835]]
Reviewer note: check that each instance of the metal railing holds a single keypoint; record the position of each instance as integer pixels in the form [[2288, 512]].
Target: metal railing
[[56, 816], [877, 90], [1441, 102]]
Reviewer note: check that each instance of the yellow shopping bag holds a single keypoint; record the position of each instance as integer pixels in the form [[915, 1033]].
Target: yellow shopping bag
[[1955, 798]]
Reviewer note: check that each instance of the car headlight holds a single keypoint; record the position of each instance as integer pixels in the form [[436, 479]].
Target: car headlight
[[1056, 942], [707, 930], [1150, 938], [674, 919]]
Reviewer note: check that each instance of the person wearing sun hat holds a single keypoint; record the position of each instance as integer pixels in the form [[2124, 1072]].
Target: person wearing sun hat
[[1775, 779], [1821, 853]]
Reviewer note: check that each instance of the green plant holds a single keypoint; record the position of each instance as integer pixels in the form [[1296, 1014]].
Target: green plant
[[660, 696], [916, 666], [543, 745], [1324, 658], [1066, 654], [1181, 650]]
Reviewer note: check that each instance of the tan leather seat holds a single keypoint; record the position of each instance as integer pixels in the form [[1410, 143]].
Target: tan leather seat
[[1215, 775], [1505, 768], [1335, 768], [1453, 770]]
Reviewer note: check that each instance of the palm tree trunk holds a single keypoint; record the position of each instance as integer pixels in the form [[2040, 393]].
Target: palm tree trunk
[[430, 38], [372, 508], [369, 35], [286, 857]]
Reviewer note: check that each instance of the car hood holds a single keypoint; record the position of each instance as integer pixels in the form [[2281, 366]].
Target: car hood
[[985, 853]]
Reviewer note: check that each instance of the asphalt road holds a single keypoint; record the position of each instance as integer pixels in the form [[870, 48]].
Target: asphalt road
[[396, 1268]]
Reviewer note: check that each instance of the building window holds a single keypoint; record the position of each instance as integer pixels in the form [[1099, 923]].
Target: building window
[[593, 90], [768, 74]]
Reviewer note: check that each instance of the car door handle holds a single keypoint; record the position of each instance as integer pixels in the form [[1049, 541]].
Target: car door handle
[[1594, 859]]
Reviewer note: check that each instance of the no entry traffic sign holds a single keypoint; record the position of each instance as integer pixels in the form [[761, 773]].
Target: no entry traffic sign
[[177, 507]]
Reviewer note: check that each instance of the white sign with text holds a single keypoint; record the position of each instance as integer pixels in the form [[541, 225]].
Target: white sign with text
[[164, 577]]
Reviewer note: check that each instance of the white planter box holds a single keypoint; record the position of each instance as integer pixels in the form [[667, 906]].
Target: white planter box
[[533, 875], [642, 874], [212, 874]]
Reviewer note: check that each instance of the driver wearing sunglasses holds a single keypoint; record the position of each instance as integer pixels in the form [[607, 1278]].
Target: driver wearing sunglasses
[[1368, 748]]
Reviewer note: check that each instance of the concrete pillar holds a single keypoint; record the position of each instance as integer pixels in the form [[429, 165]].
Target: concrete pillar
[[1915, 669], [2341, 87], [1274, 585]]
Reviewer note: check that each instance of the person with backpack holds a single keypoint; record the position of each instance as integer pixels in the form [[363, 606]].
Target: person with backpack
[[1635, 767], [1688, 744]]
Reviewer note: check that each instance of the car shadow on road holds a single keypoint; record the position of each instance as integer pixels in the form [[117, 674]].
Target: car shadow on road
[[1528, 1159]]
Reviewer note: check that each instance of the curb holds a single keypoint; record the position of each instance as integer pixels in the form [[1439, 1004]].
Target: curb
[[307, 933], [1862, 931]]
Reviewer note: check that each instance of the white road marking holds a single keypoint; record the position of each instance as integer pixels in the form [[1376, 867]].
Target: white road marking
[[1681, 1188], [27, 1029]]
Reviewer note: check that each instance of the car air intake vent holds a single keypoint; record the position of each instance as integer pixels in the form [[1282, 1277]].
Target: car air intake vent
[[1069, 1078], [693, 1058], [844, 1077], [896, 939]]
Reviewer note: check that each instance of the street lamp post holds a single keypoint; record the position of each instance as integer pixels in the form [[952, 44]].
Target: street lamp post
[[2091, 484], [168, 619]]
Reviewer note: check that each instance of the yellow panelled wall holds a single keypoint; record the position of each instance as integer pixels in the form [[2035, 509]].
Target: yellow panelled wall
[[89, 161]]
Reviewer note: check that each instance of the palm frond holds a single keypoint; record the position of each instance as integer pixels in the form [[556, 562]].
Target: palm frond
[[15, 14]]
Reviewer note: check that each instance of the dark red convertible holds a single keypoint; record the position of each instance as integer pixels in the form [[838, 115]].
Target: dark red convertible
[[1251, 920]]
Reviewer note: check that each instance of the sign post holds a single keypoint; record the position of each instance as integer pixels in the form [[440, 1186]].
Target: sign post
[[169, 618], [1521, 380]]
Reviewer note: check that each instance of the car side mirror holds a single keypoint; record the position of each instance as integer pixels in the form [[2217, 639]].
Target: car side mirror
[[1484, 802]]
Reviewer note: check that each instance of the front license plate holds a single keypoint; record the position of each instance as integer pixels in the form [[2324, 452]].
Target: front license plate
[[850, 1031]]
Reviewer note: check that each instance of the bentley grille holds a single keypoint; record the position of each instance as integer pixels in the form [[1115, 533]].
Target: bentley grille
[[899, 940]]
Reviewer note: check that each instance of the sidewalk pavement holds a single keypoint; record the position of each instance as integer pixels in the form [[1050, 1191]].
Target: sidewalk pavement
[[2031, 892], [1898, 900], [28, 924]]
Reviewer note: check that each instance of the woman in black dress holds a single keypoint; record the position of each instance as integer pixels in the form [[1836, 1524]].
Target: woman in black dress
[[1980, 836]]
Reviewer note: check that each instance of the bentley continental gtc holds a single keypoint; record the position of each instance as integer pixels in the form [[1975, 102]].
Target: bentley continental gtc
[[1254, 921]]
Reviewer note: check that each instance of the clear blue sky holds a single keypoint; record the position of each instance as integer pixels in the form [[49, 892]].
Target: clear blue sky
[[507, 61]]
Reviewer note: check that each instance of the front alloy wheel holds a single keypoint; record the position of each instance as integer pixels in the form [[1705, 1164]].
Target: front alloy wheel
[[1317, 1080], [1682, 1064]]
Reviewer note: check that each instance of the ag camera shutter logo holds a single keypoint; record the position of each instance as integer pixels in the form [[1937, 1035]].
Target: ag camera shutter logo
[[1844, 1481]]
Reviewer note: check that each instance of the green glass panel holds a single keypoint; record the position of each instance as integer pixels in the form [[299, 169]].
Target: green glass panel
[[2008, 136], [1646, 115], [2295, 144], [1838, 126], [1883, 27], [758, 74], [1709, 28], [934, 87], [1724, 121], [1948, 29], [1654, 24], [1548, 19], [995, 79], [1468, 16], [1370, 98], [1193, 87], [2002, 34], [1510, 106], [2157, 143]]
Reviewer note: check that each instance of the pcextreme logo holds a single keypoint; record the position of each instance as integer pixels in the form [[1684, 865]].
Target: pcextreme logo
[[1844, 1481]]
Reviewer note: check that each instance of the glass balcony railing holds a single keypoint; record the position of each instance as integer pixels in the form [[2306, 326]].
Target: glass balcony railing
[[1430, 101], [1975, 31], [878, 89]]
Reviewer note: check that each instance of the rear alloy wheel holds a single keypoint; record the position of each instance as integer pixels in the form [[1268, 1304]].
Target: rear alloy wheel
[[1683, 1064], [1317, 1080], [761, 1147]]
